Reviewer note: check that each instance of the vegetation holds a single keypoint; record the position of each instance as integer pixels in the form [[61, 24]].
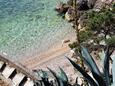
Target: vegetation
[[85, 35], [73, 45], [102, 79], [111, 41], [99, 78], [103, 20], [97, 23]]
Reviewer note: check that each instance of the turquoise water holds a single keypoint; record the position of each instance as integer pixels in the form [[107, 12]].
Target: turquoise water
[[30, 27]]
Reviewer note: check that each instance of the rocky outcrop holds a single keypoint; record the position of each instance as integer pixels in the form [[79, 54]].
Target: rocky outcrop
[[69, 15], [103, 3], [61, 8], [91, 3], [83, 5]]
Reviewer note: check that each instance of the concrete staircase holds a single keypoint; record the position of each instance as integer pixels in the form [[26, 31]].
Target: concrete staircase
[[18, 74]]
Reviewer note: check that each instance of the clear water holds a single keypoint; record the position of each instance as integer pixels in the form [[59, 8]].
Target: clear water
[[30, 26]]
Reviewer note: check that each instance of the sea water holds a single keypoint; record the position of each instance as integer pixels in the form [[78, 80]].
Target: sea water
[[30, 26]]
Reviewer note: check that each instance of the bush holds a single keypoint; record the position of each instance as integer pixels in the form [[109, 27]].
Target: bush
[[98, 20], [110, 41], [73, 45], [113, 7], [85, 35], [98, 39]]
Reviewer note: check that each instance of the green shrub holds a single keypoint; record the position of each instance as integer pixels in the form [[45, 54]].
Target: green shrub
[[73, 45], [98, 39], [85, 35], [98, 20], [113, 7], [110, 41]]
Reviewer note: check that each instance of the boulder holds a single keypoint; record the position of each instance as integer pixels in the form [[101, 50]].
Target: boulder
[[79, 27], [98, 5], [101, 35], [69, 15], [91, 3], [90, 41], [61, 8], [108, 36], [83, 5], [65, 41], [102, 42], [70, 2]]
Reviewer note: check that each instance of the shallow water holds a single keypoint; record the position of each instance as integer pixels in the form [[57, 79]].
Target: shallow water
[[30, 26]]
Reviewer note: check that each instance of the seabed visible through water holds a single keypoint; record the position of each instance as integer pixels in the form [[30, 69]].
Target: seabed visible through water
[[28, 27]]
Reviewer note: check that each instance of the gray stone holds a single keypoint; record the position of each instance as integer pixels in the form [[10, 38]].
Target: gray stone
[[108, 36], [102, 42], [101, 35]]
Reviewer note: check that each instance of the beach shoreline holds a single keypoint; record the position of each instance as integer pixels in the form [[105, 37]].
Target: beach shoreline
[[53, 58], [55, 51]]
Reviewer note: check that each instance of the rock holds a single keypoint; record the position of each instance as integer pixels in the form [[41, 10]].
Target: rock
[[96, 10], [91, 3], [98, 6], [102, 42], [111, 8], [108, 1], [101, 35], [62, 8], [69, 15], [72, 51], [70, 2], [83, 5], [90, 41], [103, 0], [82, 29], [72, 24], [5, 53], [82, 20], [79, 27], [95, 44], [108, 36], [65, 41]]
